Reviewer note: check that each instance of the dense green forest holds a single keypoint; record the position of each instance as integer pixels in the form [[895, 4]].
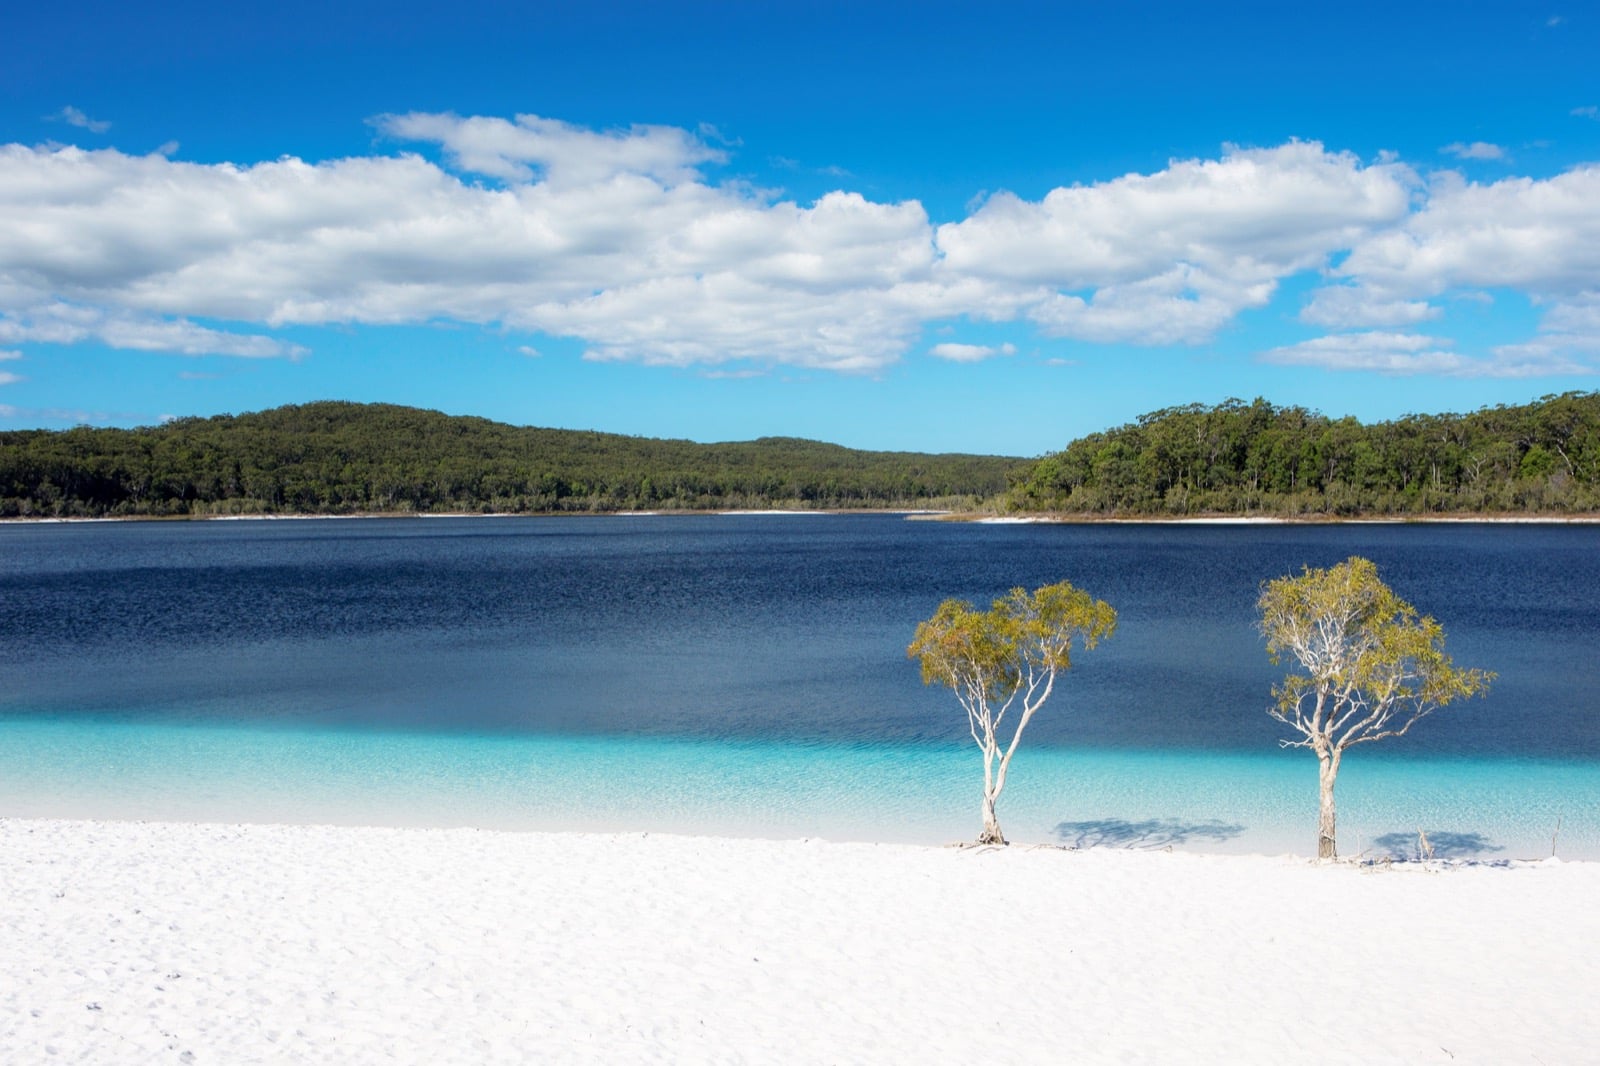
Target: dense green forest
[[1234, 458], [1255, 458], [342, 458]]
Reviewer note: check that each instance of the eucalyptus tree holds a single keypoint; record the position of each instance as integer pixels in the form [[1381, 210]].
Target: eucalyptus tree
[[1003, 663], [1372, 667]]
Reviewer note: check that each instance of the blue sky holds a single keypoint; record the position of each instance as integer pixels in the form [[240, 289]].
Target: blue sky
[[921, 226]]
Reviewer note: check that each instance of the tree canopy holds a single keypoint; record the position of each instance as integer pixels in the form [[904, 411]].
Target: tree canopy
[[338, 458], [1372, 667], [1247, 458], [1232, 458], [1007, 658]]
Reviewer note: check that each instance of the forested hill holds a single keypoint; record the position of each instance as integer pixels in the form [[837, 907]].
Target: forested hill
[[336, 458], [1255, 458], [1234, 458]]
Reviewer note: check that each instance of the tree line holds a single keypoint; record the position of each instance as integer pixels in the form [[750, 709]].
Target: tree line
[[1257, 458], [342, 458], [1231, 458]]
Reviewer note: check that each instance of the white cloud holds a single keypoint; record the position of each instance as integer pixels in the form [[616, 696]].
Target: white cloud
[[529, 350], [5, 355], [1351, 305], [1542, 357], [970, 353], [638, 266], [63, 323], [1388, 353], [1475, 150], [1399, 354], [73, 117], [1541, 235], [1568, 341], [561, 153], [1591, 111], [1537, 237], [1172, 256], [1576, 318], [620, 240], [1182, 306], [7, 378], [1254, 211]]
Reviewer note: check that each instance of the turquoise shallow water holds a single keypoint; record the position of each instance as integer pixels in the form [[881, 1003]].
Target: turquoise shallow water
[[747, 675], [1214, 802]]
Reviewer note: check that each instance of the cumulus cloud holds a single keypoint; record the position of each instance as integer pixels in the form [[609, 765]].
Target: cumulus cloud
[[1174, 255], [642, 264], [970, 353], [8, 378], [1475, 150], [1539, 237], [73, 117], [5, 355], [623, 240], [1183, 305]]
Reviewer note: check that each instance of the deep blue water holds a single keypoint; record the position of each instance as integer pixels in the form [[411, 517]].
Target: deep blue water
[[749, 673]]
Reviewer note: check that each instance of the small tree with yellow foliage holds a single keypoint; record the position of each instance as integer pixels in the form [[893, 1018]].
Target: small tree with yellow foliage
[[1005, 660], [1373, 668]]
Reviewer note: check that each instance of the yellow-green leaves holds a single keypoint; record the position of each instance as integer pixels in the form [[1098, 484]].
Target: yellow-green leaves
[[1003, 658], [961, 646], [1372, 665], [960, 641]]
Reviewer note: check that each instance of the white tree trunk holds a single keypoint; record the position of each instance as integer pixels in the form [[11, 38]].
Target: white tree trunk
[[1327, 771], [992, 784], [991, 823]]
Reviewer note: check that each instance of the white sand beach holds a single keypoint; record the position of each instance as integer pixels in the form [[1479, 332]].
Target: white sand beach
[[125, 942]]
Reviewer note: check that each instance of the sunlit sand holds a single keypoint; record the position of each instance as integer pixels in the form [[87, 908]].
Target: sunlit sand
[[152, 942]]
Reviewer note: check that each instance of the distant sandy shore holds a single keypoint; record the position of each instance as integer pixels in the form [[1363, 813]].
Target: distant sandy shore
[[1054, 519], [151, 942], [1309, 520]]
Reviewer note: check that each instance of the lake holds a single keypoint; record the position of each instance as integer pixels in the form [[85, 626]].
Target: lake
[[747, 674]]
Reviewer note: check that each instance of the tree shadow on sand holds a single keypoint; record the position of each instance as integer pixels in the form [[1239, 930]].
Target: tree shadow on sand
[[1149, 834], [1407, 847]]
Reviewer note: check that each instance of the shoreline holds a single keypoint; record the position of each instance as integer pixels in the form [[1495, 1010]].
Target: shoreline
[[188, 942], [909, 514], [1239, 802]]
